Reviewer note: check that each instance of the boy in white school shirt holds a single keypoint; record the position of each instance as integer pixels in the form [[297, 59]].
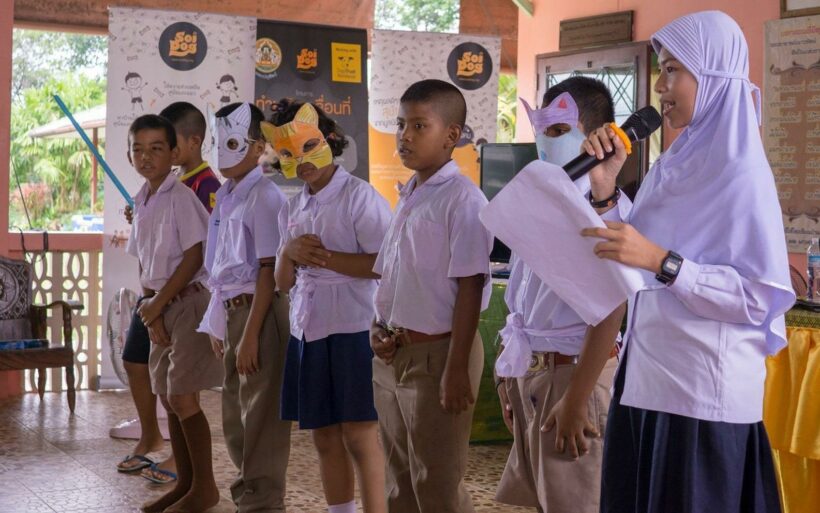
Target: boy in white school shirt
[[169, 229], [554, 372], [246, 318], [434, 266]]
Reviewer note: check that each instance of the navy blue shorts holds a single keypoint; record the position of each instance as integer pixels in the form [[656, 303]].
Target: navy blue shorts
[[329, 381], [137, 343]]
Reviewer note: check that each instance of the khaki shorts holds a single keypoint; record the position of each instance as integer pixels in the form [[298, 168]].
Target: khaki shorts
[[536, 474], [188, 365]]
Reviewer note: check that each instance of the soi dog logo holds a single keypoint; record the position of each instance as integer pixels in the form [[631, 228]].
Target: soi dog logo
[[469, 66], [183, 46], [307, 59]]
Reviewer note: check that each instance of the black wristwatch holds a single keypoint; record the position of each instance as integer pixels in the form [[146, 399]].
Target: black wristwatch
[[670, 267]]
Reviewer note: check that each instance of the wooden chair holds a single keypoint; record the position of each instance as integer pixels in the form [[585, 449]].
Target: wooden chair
[[23, 342]]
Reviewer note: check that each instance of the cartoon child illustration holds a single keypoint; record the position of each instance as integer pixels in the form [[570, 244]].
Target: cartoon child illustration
[[134, 85], [227, 85]]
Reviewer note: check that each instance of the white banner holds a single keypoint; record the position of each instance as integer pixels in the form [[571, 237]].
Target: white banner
[[155, 58], [398, 59]]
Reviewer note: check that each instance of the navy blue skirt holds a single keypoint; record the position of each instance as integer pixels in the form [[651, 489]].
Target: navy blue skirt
[[657, 462], [329, 381]]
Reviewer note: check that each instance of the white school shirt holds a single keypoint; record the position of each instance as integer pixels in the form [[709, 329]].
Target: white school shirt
[[434, 238], [349, 216], [166, 224], [242, 229], [695, 347], [539, 320]]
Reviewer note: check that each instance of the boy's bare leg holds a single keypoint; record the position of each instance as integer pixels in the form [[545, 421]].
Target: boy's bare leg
[[184, 467], [139, 382], [361, 440]]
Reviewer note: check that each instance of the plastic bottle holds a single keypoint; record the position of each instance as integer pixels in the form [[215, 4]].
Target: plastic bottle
[[813, 271]]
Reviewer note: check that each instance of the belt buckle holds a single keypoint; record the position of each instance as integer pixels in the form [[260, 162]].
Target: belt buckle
[[396, 333], [536, 362]]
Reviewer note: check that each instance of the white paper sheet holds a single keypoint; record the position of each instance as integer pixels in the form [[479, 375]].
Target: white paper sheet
[[539, 215]]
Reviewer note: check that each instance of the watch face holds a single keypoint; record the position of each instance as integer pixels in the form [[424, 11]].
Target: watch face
[[671, 266]]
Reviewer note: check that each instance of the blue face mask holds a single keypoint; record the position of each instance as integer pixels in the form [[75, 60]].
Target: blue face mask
[[559, 150]]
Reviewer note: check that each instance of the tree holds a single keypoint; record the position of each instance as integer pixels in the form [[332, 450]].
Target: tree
[[54, 174], [417, 15], [507, 103], [38, 55]]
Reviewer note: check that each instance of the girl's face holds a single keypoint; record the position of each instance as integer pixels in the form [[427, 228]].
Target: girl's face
[[678, 89], [316, 178]]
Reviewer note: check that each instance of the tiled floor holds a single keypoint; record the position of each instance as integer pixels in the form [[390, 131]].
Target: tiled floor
[[53, 462]]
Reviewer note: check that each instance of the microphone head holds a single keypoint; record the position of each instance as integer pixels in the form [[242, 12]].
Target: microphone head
[[643, 122]]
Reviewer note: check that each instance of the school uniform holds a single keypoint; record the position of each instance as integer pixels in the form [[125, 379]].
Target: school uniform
[[242, 230], [685, 432], [435, 237], [204, 183], [166, 224], [546, 336], [542, 339], [328, 373]]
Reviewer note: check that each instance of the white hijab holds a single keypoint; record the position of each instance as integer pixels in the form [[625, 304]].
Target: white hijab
[[711, 197]]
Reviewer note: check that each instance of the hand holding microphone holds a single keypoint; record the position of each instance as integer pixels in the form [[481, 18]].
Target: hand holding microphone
[[606, 149]]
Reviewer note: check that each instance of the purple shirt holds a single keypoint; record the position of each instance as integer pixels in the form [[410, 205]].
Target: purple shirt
[[204, 184], [435, 237], [349, 216], [166, 224], [242, 229]]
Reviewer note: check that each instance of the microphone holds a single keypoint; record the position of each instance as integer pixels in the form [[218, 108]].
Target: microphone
[[636, 128]]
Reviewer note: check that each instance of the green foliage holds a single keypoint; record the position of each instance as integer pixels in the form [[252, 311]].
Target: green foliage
[[507, 102], [417, 15], [54, 174], [38, 55]]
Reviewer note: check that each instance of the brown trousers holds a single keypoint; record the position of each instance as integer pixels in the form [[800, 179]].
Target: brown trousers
[[536, 474], [425, 447], [258, 441]]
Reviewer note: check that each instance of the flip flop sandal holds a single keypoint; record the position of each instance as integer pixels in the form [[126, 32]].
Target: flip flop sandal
[[142, 460], [153, 472]]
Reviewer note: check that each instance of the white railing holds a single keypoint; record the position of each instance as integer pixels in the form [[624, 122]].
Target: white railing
[[75, 275]]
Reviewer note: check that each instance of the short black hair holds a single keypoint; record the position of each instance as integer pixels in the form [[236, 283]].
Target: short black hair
[[448, 100], [595, 105], [186, 118], [153, 122], [285, 110], [131, 75], [255, 130]]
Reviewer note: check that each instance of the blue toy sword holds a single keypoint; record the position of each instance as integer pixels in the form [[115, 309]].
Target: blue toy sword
[[95, 152]]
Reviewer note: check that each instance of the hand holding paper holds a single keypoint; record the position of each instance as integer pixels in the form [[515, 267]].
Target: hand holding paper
[[540, 215]]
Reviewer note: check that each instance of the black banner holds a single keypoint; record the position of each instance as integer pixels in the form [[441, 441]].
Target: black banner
[[321, 64]]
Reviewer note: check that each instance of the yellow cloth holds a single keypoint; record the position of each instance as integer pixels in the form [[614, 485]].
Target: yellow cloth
[[791, 413]]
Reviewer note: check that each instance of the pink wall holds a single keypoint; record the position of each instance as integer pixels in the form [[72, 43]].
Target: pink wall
[[6, 17], [9, 380], [539, 34]]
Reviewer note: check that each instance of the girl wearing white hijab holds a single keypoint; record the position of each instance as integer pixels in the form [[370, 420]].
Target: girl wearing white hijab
[[684, 432]]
